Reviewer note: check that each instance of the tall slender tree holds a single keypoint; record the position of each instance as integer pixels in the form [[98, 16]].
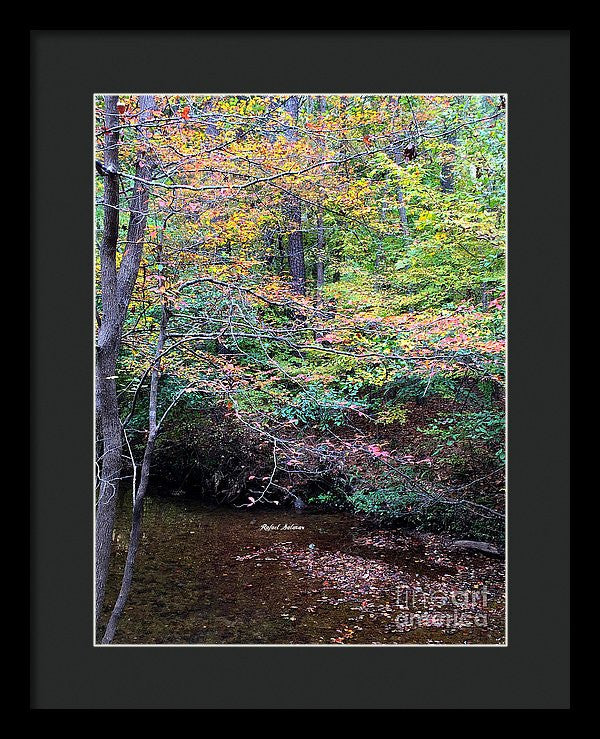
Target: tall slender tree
[[142, 486], [116, 287], [320, 257], [294, 212], [449, 156]]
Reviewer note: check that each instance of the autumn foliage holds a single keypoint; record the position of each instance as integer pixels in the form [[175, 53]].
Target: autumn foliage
[[379, 386]]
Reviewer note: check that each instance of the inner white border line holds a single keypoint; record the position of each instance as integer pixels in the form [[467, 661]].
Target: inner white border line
[[303, 646]]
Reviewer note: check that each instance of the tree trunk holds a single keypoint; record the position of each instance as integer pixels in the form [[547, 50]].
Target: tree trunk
[[130, 264], [379, 258], [296, 260], [107, 351], [397, 156], [296, 248], [116, 288], [402, 211], [320, 231], [281, 252], [320, 255], [269, 242], [447, 173], [138, 505]]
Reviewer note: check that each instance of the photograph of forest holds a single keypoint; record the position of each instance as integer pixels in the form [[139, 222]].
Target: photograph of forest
[[300, 369]]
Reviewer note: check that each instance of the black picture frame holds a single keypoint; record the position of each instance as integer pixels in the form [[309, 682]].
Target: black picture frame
[[67, 68]]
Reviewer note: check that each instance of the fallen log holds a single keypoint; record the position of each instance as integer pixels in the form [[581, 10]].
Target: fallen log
[[475, 546]]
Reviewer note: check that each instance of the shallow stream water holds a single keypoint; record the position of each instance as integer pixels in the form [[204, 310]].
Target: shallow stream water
[[271, 576]]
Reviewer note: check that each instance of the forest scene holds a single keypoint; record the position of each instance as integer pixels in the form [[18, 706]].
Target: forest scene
[[300, 369]]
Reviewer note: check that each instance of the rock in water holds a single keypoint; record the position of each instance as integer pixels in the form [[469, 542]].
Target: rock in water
[[475, 546]]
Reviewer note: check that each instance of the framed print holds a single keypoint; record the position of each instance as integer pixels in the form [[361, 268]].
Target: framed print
[[292, 416]]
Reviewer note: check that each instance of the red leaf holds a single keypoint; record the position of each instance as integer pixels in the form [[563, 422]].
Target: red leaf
[[185, 112]]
